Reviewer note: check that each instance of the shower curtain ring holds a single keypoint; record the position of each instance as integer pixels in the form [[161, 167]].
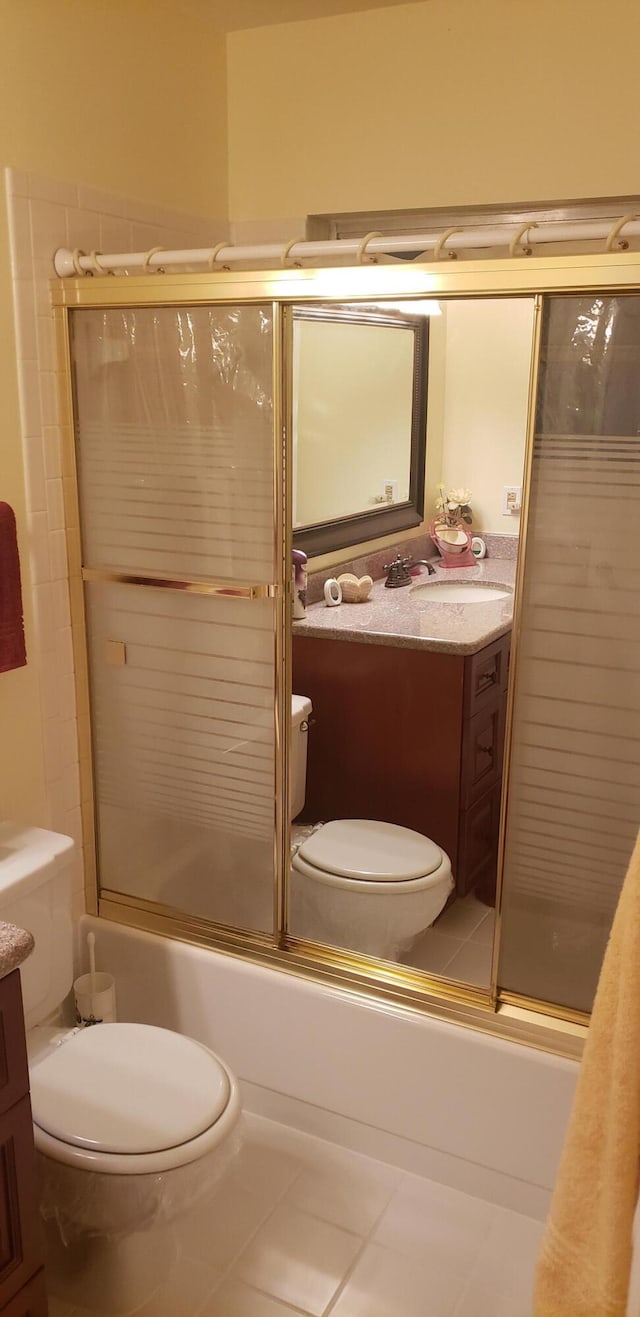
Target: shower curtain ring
[[153, 251], [361, 253], [285, 253], [525, 248], [97, 267], [621, 243], [214, 255], [444, 237], [75, 257]]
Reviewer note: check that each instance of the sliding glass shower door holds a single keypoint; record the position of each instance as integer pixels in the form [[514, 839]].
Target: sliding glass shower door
[[174, 419], [574, 783]]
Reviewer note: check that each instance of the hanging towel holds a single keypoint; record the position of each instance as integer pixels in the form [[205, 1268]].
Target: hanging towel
[[585, 1256], [12, 647]]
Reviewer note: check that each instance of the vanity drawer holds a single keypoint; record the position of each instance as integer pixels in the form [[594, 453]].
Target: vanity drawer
[[485, 673], [478, 846], [482, 752], [14, 1073]]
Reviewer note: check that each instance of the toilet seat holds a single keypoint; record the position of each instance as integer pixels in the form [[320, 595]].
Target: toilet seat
[[368, 855], [131, 1099]]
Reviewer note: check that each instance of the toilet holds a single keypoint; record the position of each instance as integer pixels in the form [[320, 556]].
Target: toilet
[[364, 885], [132, 1123]]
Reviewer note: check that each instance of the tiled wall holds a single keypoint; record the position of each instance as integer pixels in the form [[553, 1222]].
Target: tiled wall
[[45, 214]]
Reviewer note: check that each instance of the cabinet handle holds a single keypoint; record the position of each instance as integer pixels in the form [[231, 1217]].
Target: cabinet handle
[[485, 680]]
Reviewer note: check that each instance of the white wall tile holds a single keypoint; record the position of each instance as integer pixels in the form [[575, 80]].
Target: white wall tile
[[20, 236], [46, 213], [24, 309], [57, 190], [48, 228], [36, 489], [30, 411]]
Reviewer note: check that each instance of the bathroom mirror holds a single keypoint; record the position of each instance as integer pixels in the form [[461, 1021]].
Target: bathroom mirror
[[359, 377], [408, 695]]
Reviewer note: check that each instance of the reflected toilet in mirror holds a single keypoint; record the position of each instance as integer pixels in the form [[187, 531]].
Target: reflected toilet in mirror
[[395, 845], [360, 883]]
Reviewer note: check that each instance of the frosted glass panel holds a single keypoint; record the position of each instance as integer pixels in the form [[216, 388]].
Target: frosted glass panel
[[574, 798], [183, 726], [174, 432], [175, 452]]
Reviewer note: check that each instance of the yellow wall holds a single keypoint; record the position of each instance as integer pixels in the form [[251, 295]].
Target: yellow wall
[[124, 95], [446, 103]]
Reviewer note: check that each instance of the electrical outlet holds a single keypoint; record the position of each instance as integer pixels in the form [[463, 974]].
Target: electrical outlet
[[511, 499]]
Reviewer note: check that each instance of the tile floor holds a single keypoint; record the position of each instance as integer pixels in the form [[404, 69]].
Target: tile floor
[[303, 1226], [459, 943]]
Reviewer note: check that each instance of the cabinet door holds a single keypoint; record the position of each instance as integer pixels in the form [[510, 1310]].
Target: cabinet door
[[14, 1074], [31, 1301], [20, 1243]]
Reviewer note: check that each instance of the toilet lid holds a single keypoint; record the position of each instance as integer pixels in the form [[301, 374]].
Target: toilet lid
[[128, 1088], [365, 848]]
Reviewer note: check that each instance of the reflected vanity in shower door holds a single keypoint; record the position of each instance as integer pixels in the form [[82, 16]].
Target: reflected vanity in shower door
[[408, 727], [175, 459]]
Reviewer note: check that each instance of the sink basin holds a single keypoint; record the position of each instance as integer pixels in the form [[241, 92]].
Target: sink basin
[[459, 592]]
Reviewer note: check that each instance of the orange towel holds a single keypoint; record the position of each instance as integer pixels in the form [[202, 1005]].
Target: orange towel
[[12, 647], [585, 1257]]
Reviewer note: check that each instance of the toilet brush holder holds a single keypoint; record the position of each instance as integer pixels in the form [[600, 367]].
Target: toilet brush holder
[[95, 998]]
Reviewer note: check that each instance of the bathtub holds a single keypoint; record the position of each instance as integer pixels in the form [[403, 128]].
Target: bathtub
[[481, 1114]]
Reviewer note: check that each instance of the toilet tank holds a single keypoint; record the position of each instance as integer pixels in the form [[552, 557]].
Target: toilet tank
[[35, 893], [300, 713]]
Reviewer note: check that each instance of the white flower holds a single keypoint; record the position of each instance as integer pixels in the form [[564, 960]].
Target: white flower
[[459, 498]]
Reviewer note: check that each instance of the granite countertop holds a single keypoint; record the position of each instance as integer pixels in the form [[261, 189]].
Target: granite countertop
[[15, 945], [410, 621]]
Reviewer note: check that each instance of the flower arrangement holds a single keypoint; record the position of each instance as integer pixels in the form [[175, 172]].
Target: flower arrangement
[[454, 506]]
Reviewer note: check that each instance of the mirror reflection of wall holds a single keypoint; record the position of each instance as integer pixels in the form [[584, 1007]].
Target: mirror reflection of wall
[[404, 721], [479, 366]]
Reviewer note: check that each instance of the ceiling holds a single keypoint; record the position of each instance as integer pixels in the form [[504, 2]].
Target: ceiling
[[232, 15]]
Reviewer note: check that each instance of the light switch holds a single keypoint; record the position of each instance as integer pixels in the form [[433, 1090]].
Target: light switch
[[511, 499]]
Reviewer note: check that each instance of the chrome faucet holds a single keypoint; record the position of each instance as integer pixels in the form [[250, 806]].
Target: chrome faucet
[[400, 571]]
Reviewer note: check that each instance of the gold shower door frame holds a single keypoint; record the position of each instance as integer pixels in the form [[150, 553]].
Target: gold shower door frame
[[541, 1024]]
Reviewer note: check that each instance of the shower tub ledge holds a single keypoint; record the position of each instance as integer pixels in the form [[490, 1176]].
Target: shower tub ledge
[[480, 1114]]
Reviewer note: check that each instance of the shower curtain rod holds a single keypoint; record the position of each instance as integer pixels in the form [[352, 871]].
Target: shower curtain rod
[[519, 241]]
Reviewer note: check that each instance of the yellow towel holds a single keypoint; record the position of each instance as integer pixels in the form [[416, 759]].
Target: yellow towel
[[585, 1257]]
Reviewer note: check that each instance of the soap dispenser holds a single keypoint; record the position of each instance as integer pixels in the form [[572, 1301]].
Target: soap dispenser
[[299, 584]]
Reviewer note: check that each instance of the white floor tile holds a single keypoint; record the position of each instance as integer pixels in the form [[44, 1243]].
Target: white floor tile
[[472, 964], [485, 930], [183, 1295], [462, 918], [346, 1189], [486, 1303], [436, 1224], [299, 1259], [433, 951], [506, 1262], [235, 1299], [301, 1226], [216, 1233], [387, 1284]]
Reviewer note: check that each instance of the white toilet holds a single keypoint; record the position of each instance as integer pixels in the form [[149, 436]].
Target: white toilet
[[133, 1123], [364, 885]]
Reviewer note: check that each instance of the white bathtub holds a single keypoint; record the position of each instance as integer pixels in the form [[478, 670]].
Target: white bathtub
[[478, 1113]]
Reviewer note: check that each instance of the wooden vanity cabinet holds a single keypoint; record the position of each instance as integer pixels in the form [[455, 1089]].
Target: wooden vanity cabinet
[[409, 736], [22, 1280]]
